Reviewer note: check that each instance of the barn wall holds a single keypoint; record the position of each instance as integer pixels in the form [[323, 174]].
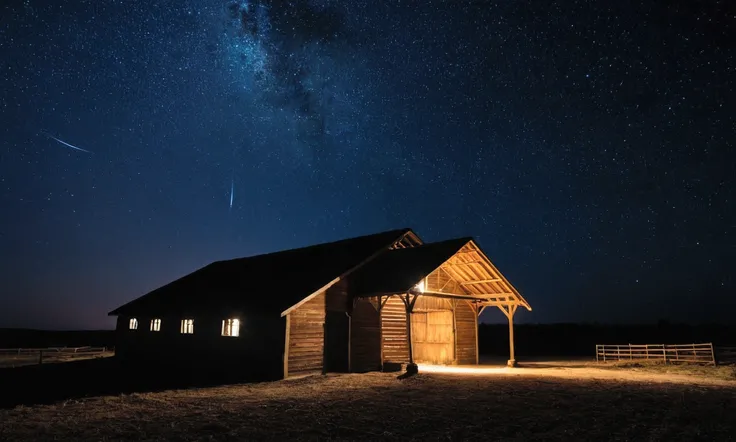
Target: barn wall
[[337, 329], [365, 337], [393, 324], [466, 329], [307, 337], [254, 354]]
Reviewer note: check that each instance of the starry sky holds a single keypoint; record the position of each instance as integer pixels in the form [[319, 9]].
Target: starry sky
[[588, 146]]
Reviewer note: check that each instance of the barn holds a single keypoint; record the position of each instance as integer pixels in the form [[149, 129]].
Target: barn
[[355, 305]]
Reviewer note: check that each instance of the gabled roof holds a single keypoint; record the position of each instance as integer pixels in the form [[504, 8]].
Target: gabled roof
[[398, 271], [269, 283]]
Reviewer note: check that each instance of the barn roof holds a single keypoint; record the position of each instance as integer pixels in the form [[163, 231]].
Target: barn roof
[[400, 270], [397, 271], [268, 283]]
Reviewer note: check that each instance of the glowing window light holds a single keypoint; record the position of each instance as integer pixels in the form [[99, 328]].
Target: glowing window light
[[133, 324], [231, 327], [155, 325], [187, 326]]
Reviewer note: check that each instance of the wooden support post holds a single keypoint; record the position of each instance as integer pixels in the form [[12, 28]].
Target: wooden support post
[[510, 315], [409, 304], [476, 309], [350, 342], [453, 305], [380, 327], [286, 346], [512, 357]]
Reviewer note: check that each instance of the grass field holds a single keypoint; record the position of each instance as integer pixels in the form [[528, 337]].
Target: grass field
[[49, 357], [537, 403]]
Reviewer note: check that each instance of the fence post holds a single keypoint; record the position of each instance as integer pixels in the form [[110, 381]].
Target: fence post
[[40, 357], [713, 355], [618, 352], [596, 353], [630, 356]]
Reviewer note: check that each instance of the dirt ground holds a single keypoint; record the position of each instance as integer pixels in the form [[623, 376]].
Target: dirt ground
[[537, 402]]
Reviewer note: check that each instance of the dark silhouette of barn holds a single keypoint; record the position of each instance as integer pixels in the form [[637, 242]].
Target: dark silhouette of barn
[[354, 305]]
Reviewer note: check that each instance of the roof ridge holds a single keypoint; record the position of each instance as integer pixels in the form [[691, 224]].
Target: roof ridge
[[398, 231]]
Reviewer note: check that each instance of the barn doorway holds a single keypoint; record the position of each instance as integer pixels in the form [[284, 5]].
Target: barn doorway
[[433, 337]]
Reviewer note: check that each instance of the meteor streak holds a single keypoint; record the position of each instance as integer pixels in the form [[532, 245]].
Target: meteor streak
[[232, 192], [65, 143]]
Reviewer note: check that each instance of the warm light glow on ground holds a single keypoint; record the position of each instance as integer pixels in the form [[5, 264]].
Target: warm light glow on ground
[[454, 369]]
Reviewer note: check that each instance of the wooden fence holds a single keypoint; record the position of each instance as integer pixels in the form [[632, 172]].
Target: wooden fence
[[693, 353], [55, 354]]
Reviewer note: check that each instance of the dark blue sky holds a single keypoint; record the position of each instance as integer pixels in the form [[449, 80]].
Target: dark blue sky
[[588, 146]]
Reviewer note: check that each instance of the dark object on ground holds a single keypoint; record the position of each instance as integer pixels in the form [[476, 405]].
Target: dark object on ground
[[411, 370]]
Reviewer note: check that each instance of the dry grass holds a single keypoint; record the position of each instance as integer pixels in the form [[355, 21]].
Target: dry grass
[[725, 372], [378, 406], [11, 360]]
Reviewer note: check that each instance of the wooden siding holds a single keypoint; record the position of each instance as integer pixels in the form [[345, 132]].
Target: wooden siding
[[365, 337], [307, 337], [337, 329], [465, 329], [337, 297], [394, 336]]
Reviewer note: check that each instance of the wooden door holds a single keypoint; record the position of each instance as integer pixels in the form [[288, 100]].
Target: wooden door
[[433, 337]]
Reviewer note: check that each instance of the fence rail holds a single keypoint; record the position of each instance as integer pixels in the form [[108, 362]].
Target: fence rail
[[693, 353], [23, 355]]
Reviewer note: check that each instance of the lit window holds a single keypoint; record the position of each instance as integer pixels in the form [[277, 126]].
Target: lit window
[[187, 326], [231, 327], [155, 325], [133, 324]]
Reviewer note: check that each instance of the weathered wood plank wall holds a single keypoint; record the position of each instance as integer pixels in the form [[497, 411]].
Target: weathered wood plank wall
[[337, 330], [466, 330], [365, 337], [307, 337], [393, 324], [432, 331]]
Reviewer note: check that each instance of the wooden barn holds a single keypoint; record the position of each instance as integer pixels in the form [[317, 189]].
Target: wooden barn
[[354, 305]]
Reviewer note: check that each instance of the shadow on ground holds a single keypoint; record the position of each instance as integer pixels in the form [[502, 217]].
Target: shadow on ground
[[50, 383]]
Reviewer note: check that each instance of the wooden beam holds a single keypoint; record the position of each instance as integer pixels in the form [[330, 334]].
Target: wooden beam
[[463, 263], [478, 312], [409, 307], [350, 346], [512, 356], [480, 281], [380, 329], [453, 306], [286, 346]]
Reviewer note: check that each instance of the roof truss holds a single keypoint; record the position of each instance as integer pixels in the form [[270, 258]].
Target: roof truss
[[479, 279]]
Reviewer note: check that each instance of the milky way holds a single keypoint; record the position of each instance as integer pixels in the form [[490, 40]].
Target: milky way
[[588, 146]]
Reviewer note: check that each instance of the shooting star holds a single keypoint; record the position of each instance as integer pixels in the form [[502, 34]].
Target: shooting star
[[232, 192], [65, 143]]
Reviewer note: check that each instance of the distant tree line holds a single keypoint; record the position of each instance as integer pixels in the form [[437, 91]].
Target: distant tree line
[[580, 339]]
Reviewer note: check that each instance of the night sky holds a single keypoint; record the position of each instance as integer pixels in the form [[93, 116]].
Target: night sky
[[587, 146]]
